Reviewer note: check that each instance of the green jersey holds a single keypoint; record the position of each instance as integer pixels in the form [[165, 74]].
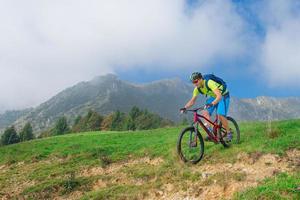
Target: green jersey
[[209, 92]]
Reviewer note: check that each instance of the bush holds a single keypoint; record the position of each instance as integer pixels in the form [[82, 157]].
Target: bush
[[91, 122], [61, 126], [26, 133], [10, 136]]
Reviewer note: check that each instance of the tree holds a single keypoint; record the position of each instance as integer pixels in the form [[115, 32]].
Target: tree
[[94, 122], [118, 121], [136, 119], [26, 133], [61, 126], [146, 120], [91, 122], [10, 136], [130, 125], [132, 116], [185, 121], [107, 122], [77, 120], [134, 112]]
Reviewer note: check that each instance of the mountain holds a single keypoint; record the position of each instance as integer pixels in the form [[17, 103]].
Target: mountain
[[9, 117], [106, 94], [265, 108]]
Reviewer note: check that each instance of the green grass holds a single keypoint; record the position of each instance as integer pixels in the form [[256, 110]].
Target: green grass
[[159, 142], [97, 145], [282, 186], [49, 161]]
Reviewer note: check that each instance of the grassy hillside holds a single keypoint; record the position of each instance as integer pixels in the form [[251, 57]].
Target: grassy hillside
[[145, 165]]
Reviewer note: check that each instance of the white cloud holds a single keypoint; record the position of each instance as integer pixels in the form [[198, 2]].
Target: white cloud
[[51, 44], [281, 48]]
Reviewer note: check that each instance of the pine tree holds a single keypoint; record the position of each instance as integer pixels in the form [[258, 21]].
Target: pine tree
[[132, 116], [107, 122], [61, 126], [26, 133], [94, 122], [134, 112], [10, 136], [118, 121], [185, 121], [91, 122], [130, 124], [77, 120]]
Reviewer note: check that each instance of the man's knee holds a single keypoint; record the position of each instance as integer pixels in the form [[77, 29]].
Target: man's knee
[[206, 114], [221, 116]]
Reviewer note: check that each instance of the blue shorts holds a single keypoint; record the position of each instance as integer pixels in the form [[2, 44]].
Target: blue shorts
[[222, 107]]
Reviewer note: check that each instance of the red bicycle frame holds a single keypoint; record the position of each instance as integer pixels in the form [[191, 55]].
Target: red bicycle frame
[[212, 135]]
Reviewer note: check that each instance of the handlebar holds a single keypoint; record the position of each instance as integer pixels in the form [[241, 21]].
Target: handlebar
[[195, 109]]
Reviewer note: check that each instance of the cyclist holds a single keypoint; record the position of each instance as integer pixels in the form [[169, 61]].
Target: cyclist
[[218, 99]]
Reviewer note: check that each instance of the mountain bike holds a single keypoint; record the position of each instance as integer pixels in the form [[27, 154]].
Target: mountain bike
[[190, 144]]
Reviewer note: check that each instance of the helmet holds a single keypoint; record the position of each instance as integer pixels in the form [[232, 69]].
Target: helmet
[[195, 75]]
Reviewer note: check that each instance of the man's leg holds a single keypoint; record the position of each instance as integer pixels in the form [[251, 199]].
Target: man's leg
[[222, 110], [205, 113], [224, 122], [208, 112]]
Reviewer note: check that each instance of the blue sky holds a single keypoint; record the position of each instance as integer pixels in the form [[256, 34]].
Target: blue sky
[[47, 46], [243, 85], [243, 81]]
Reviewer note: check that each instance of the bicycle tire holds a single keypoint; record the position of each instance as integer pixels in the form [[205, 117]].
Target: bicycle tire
[[180, 145], [235, 133]]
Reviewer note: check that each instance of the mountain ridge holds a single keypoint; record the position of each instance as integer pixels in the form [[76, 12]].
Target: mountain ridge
[[108, 93]]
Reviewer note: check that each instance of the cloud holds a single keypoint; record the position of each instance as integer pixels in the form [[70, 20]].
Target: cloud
[[51, 44], [280, 56]]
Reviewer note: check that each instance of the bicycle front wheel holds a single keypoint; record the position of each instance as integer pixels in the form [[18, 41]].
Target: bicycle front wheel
[[190, 145]]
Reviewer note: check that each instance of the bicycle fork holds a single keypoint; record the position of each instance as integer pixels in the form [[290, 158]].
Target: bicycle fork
[[193, 139]]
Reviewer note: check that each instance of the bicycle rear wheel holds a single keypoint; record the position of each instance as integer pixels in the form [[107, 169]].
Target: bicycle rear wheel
[[234, 129], [190, 145]]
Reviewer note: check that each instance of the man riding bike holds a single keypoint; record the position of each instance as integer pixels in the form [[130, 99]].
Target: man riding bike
[[218, 98]]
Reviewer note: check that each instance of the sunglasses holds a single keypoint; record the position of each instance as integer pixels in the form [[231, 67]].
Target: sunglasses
[[195, 81]]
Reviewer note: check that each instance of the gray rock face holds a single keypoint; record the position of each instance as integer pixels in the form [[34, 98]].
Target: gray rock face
[[265, 108]]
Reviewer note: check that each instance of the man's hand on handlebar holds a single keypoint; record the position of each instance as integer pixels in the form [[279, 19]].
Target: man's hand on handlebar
[[182, 110], [208, 105]]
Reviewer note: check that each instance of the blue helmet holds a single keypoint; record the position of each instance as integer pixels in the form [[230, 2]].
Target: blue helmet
[[195, 76]]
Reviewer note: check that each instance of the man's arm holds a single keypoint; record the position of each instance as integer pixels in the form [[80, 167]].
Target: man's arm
[[218, 96], [191, 102]]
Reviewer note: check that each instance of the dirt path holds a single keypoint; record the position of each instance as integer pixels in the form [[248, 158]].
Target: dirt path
[[221, 181], [216, 181]]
